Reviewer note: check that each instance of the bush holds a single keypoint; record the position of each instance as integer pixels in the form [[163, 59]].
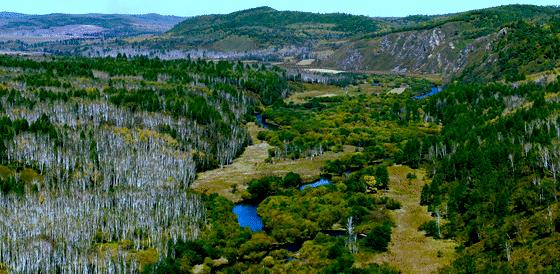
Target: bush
[[431, 229], [382, 176], [264, 187], [378, 239], [292, 180], [392, 204], [11, 185]]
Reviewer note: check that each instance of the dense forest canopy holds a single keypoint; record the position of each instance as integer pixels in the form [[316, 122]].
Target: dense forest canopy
[[495, 171]]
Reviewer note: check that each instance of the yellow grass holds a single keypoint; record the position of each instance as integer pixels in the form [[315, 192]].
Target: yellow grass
[[251, 165], [397, 90], [410, 250], [321, 90], [306, 62], [549, 76]]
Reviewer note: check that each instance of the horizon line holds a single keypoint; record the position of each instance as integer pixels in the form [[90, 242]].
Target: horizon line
[[258, 7]]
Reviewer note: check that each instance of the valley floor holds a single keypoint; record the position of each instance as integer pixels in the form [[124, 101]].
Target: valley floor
[[252, 165], [410, 250]]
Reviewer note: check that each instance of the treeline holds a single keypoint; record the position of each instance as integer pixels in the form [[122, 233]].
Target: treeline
[[104, 150], [216, 95], [264, 82], [9, 129]]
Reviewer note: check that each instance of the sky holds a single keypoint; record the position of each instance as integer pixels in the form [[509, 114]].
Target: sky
[[384, 8]]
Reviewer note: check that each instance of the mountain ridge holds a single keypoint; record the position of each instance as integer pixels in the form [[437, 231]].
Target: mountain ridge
[[61, 26], [442, 44]]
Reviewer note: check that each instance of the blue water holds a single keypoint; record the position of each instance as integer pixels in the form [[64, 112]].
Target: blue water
[[247, 217], [247, 214], [321, 182], [435, 90], [260, 121]]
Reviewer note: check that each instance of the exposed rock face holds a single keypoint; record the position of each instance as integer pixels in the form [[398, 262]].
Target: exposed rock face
[[439, 50]]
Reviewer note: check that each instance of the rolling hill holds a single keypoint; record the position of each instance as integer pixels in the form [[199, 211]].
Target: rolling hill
[[264, 27], [56, 27], [500, 43], [454, 45]]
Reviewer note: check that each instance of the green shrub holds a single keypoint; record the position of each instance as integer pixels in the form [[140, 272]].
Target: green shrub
[[292, 180], [431, 229], [378, 239], [392, 204]]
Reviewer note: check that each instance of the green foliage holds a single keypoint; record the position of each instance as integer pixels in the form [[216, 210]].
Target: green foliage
[[431, 229], [11, 185], [259, 189], [294, 218], [378, 239], [526, 47], [494, 175], [411, 153], [390, 203], [43, 125], [382, 176], [316, 126], [292, 180], [266, 26], [190, 253]]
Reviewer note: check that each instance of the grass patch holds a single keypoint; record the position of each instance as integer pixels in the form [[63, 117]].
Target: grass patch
[[410, 250], [231, 181]]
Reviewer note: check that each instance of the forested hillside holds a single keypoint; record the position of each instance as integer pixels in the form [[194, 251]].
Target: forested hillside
[[265, 27], [522, 48], [495, 176], [476, 45], [483, 42], [498, 43]]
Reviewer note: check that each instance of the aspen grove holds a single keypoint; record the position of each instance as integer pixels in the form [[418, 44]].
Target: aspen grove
[[97, 151]]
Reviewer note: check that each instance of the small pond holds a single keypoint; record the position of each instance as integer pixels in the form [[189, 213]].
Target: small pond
[[247, 217], [260, 121], [434, 91], [321, 182]]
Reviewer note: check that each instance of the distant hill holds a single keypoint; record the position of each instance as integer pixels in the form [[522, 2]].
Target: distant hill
[[264, 27], [15, 26], [5, 14], [445, 44], [500, 43]]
